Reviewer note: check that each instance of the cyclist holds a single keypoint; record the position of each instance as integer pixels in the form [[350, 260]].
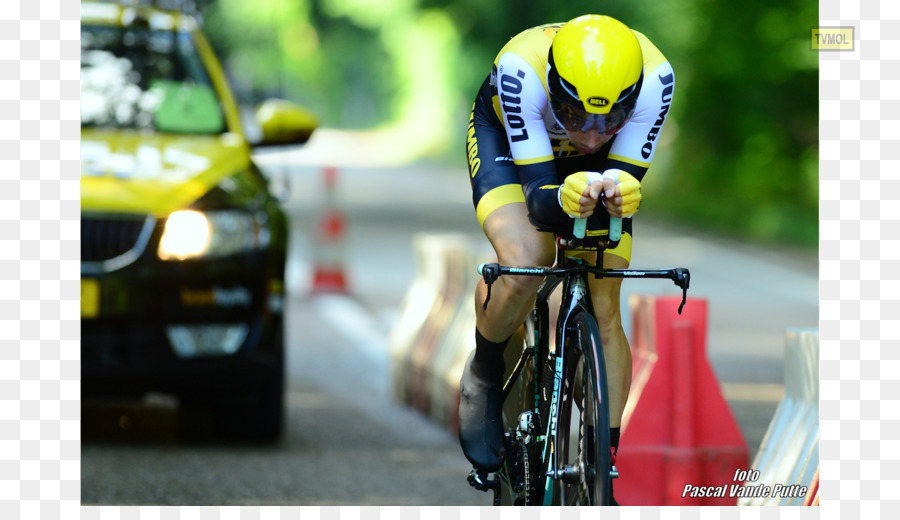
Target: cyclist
[[565, 126]]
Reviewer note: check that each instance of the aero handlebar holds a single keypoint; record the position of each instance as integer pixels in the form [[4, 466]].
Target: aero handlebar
[[615, 228]]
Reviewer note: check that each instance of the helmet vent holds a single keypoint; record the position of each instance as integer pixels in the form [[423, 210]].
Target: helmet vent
[[569, 88]]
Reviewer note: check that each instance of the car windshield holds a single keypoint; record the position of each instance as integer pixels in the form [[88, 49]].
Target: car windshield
[[143, 79]]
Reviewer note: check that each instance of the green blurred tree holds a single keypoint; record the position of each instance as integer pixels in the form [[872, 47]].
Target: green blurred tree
[[744, 157]]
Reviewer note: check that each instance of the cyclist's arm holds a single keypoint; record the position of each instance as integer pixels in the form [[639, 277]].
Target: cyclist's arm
[[636, 144], [523, 102]]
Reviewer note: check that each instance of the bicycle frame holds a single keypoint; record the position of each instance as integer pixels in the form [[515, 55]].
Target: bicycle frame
[[576, 298]]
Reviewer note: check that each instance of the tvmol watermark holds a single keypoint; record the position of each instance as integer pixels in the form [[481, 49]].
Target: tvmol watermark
[[832, 39]]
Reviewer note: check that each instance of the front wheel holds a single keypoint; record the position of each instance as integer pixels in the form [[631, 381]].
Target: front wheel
[[585, 450]]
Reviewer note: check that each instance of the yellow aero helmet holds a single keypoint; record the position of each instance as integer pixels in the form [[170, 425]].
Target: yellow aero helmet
[[595, 74]]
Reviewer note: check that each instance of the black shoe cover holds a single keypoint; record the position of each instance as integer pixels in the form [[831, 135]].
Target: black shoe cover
[[481, 419]]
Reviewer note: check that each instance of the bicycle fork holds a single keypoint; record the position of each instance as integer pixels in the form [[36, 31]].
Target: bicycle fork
[[568, 473]]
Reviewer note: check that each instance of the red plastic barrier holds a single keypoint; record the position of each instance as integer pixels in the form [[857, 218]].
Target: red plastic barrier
[[678, 431]]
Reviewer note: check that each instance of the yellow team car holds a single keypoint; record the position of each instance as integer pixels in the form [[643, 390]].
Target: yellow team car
[[182, 245]]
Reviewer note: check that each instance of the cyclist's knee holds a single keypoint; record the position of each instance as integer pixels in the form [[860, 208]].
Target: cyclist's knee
[[608, 313], [606, 293], [525, 253], [521, 288], [535, 252]]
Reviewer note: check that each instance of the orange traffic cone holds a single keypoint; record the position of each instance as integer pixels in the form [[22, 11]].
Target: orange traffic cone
[[329, 251]]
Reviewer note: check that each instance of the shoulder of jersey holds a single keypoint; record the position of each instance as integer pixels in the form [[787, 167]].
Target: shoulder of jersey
[[653, 58], [532, 45]]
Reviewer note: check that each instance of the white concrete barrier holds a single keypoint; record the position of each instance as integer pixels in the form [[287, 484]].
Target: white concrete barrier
[[435, 330], [789, 453], [458, 341]]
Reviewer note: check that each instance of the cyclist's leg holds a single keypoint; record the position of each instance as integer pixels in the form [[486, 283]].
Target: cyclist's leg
[[516, 242], [605, 294], [499, 203]]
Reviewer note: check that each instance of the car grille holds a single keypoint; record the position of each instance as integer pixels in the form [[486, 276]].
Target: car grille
[[103, 239]]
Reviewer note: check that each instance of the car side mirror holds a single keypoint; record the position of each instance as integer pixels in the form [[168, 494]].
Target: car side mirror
[[284, 123]]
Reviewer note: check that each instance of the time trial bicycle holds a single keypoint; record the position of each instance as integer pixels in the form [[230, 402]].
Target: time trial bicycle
[[556, 408]]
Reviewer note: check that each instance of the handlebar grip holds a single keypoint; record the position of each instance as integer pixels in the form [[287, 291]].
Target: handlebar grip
[[615, 228], [580, 227]]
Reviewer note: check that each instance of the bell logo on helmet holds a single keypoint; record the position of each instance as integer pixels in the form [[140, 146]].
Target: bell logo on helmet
[[598, 101]]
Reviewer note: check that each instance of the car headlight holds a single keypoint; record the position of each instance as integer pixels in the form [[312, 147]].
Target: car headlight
[[190, 233]]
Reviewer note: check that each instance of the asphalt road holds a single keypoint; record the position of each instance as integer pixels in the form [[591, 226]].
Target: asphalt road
[[347, 441]]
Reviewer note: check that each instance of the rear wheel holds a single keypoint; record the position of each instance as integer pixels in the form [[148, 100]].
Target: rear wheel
[[585, 450]]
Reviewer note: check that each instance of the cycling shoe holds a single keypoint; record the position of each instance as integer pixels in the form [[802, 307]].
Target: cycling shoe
[[481, 418]]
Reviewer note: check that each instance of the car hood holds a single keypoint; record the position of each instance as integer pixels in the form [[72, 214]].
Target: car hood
[[157, 174]]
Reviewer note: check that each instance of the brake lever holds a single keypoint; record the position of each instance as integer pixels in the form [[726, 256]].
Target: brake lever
[[683, 280], [490, 273]]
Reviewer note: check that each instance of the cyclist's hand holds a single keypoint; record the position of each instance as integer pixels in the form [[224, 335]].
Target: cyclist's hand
[[622, 193], [579, 193]]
